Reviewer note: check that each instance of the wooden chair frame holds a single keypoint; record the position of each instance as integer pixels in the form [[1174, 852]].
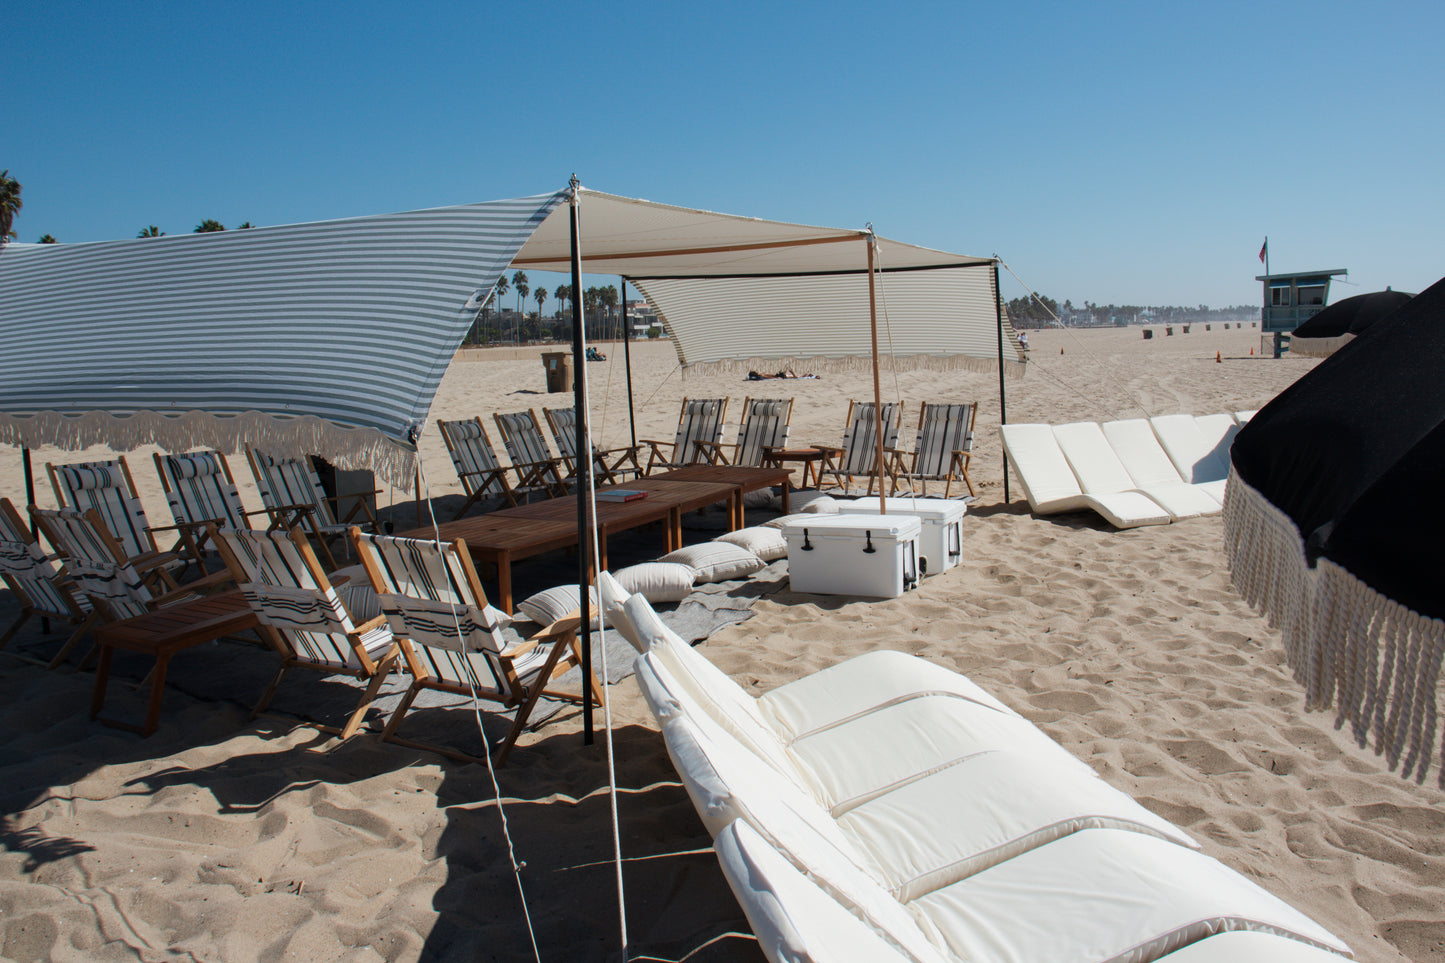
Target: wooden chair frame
[[608, 466], [536, 468], [252, 579], [302, 502], [459, 595], [846, 461], [696, 430], [40, 584], [905, 466], [190, 525], [127, 522], [748, 438], [476, 463]]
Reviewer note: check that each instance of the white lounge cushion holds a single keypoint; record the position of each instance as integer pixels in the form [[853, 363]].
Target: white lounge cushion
[[658, 582], [1242, 417], [1041, 468], [1138, 449], [1198, 456], [951, 824], [793, 918], [1094, 463], [716, 561], [1250, 946], [1129, 509], [860, 685], [783, 521], [765, 542], [1102, 894]]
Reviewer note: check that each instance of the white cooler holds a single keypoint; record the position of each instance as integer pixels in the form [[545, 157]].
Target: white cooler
[[863, 555], [941, 542]]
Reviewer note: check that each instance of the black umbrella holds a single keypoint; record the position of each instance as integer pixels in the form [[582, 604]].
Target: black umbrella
[[1333, 528], [1352, 315]]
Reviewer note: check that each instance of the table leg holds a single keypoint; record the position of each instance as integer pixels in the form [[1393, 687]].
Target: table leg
[[786, 486], [158, 685], [102, 678], [504, 579]]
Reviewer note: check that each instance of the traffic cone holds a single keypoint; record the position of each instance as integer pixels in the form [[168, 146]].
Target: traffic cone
[[1217, 358], [1251, 352]]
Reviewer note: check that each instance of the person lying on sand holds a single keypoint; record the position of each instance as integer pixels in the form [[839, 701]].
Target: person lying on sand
[[785, 373]]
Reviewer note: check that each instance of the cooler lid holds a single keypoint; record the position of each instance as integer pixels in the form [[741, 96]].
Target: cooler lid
[[939, 509], [898, 527]]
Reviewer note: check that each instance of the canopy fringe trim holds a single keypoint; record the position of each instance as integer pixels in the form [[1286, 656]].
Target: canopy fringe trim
[[346, 448], [814, 365], [1318, 347], [1375, 661]]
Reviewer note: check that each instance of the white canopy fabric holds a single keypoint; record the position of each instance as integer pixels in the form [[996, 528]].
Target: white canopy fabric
[[332, 337]]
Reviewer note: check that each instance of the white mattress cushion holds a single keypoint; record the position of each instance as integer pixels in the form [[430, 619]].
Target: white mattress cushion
[[1129, 509], [860, 685], [1094, 463], [1243, 416], [727, 785], [1197, 457], [850, 763], [794, 919], [1214, 489], [1048, 482], [1184, 501], [1134, 441], [945, 827], [1102, 894], [1249, 946]]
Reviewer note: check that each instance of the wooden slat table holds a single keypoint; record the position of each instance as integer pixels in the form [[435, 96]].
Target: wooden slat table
[[745, 479], [163, 633]]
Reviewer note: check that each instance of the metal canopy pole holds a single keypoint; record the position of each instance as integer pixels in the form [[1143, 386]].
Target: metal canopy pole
[[877, 391], [584, 471], [1002, 400], [627, 357]]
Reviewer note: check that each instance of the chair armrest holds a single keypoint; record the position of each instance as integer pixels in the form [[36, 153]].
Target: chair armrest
[[222, 577]]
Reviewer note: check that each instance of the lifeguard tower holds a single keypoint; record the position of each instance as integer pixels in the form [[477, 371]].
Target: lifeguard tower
[[1292, 299]]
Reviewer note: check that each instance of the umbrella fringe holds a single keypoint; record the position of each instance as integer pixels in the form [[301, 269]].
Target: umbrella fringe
[[1375, 660], [347, 448]]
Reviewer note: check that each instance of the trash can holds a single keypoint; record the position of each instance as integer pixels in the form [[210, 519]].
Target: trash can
[[1148, 334], [559, 370]]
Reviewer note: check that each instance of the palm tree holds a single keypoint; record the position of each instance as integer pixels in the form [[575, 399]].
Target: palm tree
[[48, 239], [563, 293], [500, 291], [10, 203], [519, 284], [209, 227], [539, 296], [245, 226], [152, 231], [607, 299]]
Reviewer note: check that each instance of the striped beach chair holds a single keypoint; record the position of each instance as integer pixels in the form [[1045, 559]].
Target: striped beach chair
[[40, 585], [303, 617], [858, 454], [536, 468], [451, 637], [942, 450], [699, 424], [764, 426], [201, 490], [612, 465], [109, 489], [475, 461], [292, 493]]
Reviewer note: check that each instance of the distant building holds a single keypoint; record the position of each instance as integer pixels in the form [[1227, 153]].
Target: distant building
[[641, 317], [1292, 299]]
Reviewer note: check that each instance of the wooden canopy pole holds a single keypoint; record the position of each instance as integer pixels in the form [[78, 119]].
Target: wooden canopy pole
[[877, 391], [627, 358], [1002, 398]]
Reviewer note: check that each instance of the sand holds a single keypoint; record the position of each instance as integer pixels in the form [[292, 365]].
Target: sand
[[222, 838]]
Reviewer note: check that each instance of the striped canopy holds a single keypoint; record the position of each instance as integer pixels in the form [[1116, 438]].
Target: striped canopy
[[327, 338], [332, 337]]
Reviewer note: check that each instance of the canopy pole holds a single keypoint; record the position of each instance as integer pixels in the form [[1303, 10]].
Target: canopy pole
[[877, 391], [584, 469], [29, 477], [1002, 400], [627, 358]]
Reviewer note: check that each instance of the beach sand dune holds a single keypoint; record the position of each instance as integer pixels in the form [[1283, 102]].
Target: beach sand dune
[[221, 838]]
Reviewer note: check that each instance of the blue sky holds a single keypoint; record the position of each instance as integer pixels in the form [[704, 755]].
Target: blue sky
[[1127, 152]]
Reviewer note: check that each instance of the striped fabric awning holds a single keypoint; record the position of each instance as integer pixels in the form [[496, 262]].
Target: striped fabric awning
[[329, 337]]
